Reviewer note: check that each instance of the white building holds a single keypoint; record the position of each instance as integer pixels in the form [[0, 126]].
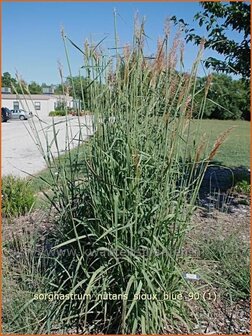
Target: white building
[[42, 104]]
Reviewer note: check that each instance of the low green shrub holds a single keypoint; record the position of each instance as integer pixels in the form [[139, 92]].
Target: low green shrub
[[242, 181], [73, 112], [57, 113], [17, 196], [242, 187]]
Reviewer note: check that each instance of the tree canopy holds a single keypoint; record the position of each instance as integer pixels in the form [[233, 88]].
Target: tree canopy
[[218, 19], [7, 80], [226, 99]]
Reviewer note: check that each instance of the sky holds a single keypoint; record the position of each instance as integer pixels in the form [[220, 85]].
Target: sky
[[31, 32]]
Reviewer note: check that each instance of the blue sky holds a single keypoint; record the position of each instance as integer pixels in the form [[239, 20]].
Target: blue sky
[[31, 39]]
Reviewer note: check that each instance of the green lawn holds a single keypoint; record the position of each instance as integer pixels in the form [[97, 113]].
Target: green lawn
[[235, 151]]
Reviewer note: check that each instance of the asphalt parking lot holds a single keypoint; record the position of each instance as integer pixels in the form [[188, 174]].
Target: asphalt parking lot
[[20, 153]]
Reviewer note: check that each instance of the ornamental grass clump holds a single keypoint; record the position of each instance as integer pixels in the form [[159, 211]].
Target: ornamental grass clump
[[17, 196], [124, 206]]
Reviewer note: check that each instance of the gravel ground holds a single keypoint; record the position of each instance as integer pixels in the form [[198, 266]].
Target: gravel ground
[[220, 316], [20, 154]]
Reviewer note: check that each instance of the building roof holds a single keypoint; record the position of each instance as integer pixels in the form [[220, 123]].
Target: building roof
[[34, 96]]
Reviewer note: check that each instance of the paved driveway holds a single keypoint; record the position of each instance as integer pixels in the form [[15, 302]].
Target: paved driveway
[[20, 154]]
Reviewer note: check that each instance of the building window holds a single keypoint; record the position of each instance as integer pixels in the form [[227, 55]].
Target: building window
[[37, 106], [15, 105]]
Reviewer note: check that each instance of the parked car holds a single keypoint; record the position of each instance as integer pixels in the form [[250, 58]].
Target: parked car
[[5, 114], [20, 114]]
